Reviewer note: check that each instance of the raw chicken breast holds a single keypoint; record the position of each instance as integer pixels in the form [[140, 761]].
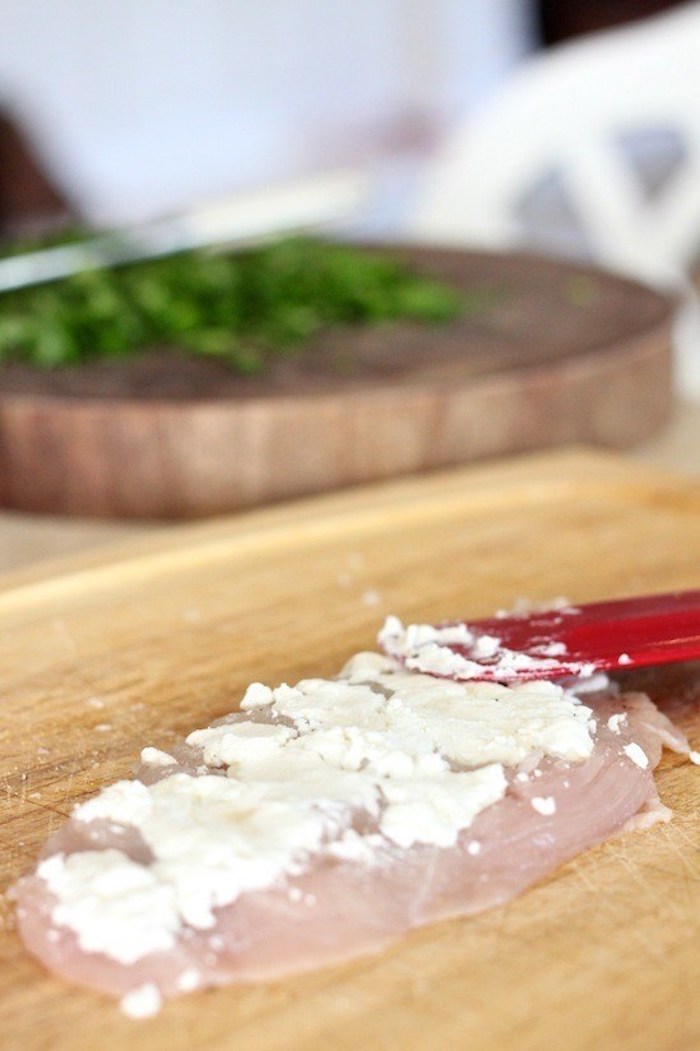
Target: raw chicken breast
[[327, 819]]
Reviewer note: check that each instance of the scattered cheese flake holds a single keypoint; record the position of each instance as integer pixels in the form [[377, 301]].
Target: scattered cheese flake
[[256, 696], [188, 980], [591, 682], [624, 658], [615, 722], [485, 646], [143, 1002], [545, 805], [552, 649], [637, 754], [429, 649], [474, 847], [694, 757], [154, 757]]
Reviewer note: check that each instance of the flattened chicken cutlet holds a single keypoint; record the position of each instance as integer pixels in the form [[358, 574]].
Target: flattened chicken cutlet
[[324, 820]]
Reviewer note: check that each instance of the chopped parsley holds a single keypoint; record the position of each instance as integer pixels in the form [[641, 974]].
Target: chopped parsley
[[245, 308]]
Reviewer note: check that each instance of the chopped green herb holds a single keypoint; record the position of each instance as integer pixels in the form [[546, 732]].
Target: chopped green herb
[[244, 309]]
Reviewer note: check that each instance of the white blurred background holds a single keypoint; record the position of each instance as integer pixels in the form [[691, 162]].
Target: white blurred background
[[137, 107]]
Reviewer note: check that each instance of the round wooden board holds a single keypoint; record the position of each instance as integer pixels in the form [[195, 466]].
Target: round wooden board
[[555, 354]]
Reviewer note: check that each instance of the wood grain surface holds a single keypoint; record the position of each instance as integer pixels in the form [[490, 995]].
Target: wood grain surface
[[141, 643], [556, 354]]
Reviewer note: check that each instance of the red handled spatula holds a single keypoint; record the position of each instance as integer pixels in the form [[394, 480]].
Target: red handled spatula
[[554, 643]]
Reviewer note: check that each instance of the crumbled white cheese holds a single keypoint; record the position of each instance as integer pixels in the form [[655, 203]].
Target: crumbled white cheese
[[256, 696], [592, 682], [434, 810], [637, 754], [356, 848], [154, 757], [694, 757], [418, 757], [552, 649], [365, 665], [103, 896], [188, 980], [230, 743], [545, 805], [143, 1002], [486, 646], [429, 649], [474, 847], [468, 723], [624, 658], [616, 721]]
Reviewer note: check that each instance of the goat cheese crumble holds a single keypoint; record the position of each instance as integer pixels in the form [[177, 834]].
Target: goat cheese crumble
[[378, 759], [142, 1002], [430, 649]]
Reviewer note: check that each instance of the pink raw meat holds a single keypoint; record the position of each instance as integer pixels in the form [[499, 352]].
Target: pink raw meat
[[337, 909]]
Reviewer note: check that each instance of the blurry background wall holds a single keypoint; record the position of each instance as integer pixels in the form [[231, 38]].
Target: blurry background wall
[[138, 106]]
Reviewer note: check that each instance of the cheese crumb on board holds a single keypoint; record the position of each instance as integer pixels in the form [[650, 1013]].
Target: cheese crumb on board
[[154, 757], [189, 980], [143, 1002]]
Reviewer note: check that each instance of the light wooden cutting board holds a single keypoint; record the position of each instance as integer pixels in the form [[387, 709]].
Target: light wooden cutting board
[[150, 640]]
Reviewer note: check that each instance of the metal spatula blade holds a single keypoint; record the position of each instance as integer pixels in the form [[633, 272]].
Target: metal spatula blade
[[555, 643]]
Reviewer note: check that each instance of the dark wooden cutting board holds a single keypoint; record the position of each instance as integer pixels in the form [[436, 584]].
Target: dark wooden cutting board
[[551, 354]]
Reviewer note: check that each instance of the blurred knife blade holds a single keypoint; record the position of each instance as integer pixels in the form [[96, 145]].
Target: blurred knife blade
[[234, 222]]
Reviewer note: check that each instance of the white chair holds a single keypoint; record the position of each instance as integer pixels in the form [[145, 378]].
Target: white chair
[[591, 150]]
